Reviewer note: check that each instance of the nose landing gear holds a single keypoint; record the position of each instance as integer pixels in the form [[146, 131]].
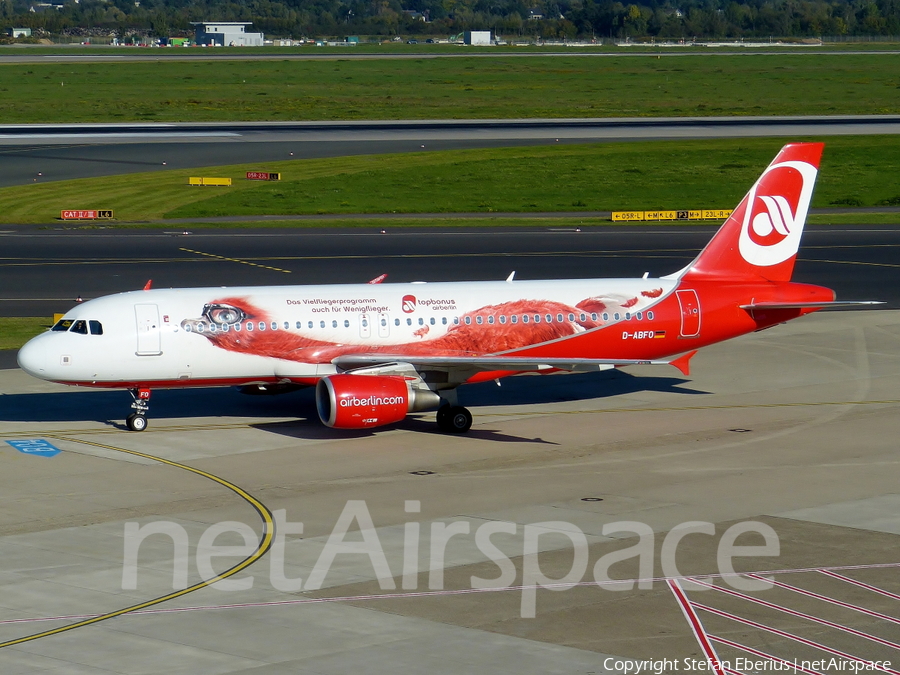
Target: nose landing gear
[[137, 421]]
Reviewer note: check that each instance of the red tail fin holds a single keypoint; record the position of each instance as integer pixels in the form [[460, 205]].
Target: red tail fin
[[761, 237]]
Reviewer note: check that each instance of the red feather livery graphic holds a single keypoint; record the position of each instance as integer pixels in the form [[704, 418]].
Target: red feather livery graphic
[[235, 324]]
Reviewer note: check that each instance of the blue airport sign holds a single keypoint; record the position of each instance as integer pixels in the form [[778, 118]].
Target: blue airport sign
[[36, 446]]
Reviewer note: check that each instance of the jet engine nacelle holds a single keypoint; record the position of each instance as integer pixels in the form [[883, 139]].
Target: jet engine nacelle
[[363, 401]]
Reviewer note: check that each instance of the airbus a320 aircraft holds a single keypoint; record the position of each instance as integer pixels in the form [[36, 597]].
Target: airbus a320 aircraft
[[376, 352]]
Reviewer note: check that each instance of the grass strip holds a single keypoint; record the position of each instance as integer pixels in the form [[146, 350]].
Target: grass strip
[[17, 330], [598, 177], [506, 87]]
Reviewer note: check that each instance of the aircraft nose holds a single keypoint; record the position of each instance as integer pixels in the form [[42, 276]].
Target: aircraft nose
[[32, 357]]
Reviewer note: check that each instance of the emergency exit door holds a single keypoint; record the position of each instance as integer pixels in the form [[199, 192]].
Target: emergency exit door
[[148, 339], [690, 313]]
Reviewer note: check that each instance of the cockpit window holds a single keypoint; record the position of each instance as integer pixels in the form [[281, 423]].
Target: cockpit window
[[96, 327], [79, 327], [63, 324]]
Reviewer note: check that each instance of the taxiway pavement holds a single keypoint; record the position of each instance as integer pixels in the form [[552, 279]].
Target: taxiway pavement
[[794, 427]]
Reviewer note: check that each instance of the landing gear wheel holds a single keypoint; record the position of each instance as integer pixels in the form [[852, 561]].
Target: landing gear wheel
[[136, 422], [454, 419]]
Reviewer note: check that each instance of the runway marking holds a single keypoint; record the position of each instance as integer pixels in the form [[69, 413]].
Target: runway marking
[[803, 615], [789, 636], [750, 650], [265, 543], [839, 603], [849, 262], [688, 606], [696, 626], [649, 254], [242, 262], [848, 580]]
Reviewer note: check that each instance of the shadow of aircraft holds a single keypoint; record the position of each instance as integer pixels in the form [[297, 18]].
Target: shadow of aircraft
[[225, 402]]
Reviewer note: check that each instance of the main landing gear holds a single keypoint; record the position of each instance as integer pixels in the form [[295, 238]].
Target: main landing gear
[[137, 421], [454, 419]]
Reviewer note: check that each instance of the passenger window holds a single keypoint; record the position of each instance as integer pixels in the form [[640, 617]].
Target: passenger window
[[421, 321], [383, 322], [96, 327], [605, 316], [468, 320], [347, 323], [444, 320], [396, 322], [287, 325], [310, 324], [559, 318], [431, 321], [639, 316], [455, 320], [537, 318], [628, 316], [274, 325], [502, 318], [299, 325], [593, 316], [249, 326], [479, 320], [79, 327], [322, 324], [571, 317], [491, 319], [237, 328], [583, 316], [616, 316], [409, 322], [514, 318], [63, 325], [224, 328], [524, 318], [334, 324], [262, 325], [650, 316]]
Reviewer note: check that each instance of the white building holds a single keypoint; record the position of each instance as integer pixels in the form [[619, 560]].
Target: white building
[[477, 37], [226, 34]]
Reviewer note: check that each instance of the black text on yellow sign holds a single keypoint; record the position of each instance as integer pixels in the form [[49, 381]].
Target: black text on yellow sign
[[686, 214]]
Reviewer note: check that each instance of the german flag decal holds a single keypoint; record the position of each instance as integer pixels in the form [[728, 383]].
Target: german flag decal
[[659, 334]]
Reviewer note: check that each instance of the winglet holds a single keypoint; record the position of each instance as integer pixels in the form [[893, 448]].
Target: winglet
[[512, 275], [378, 279], [148, 285], [683, 363]]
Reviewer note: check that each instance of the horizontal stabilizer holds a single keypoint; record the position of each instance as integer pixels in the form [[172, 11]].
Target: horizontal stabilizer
[[836, 304]]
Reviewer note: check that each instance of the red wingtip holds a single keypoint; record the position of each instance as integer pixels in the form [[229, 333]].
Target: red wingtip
[[683, 363], [148, 284], [378, 279]]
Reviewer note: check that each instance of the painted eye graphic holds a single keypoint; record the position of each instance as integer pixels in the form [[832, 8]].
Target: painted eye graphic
[[223, 314]]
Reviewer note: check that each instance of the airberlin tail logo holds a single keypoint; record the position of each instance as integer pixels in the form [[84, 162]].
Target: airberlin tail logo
[[409, 304], [775, 213]]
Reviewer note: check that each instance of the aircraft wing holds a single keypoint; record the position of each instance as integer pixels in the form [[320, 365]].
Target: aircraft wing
[[514, 363]]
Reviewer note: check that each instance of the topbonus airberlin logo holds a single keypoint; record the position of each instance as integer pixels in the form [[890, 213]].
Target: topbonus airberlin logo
[[775, 213], [409, 304]]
